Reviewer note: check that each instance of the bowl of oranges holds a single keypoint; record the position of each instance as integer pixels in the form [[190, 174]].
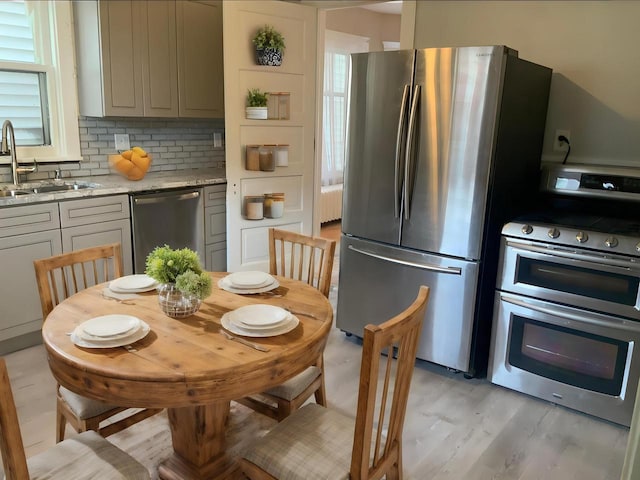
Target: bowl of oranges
[[132, 164]]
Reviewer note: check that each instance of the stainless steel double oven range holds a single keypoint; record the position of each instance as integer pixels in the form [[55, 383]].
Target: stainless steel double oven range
[[566, 324]]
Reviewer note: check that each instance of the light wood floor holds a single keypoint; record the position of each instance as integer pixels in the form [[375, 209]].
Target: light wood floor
[[455, 428]]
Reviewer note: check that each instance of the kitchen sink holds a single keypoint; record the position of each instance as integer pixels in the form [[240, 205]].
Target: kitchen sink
[[14, 193], [30, 189], [62, 187]]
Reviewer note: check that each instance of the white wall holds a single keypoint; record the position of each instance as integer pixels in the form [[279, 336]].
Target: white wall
[[378, 27], [593, 48]]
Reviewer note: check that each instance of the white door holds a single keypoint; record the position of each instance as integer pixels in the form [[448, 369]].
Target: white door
[[247, 240]]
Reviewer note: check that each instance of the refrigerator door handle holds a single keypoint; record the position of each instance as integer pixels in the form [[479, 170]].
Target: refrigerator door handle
[[423, 266], [399, 150], [409, 160]]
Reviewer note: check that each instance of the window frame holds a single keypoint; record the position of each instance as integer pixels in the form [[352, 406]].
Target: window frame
[[54, 42]]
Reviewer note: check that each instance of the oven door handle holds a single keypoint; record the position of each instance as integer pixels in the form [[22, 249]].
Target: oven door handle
[[571, 255], [629, 326]]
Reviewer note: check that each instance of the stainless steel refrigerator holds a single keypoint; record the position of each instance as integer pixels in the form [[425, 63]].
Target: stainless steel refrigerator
[[443, 147]]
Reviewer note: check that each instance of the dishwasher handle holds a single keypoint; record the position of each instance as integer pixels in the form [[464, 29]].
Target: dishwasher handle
[[147, 201]]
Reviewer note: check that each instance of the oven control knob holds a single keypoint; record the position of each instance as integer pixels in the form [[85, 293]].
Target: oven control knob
[[553, 233], [527, 229], [582, 237], [611, 242]]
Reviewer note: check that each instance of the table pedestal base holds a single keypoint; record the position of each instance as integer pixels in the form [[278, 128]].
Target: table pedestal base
[[198, 437]]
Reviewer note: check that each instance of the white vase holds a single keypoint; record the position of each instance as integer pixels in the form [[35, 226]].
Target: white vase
[[256, 113]]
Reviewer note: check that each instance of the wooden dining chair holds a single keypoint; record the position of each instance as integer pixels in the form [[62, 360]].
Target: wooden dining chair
[[309, 259], [59, 277], [317, 442], [86, 456]]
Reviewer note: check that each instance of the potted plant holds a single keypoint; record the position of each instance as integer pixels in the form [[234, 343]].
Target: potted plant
[[269, 45], [256, 104], [183, 283]]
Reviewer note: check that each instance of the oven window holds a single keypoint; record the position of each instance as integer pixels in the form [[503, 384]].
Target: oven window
[[611, 287], [569, 356]]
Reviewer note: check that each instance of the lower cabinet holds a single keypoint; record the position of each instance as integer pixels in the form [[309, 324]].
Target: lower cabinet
[[27, 233], [97, 221], [215, 227]]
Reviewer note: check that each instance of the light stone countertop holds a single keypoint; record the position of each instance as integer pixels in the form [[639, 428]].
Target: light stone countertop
[[115, 184]]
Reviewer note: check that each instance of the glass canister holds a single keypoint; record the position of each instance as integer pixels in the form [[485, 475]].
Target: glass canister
[[252, 160], [273, 205], [267, 161], [282, 155], [254, 207]]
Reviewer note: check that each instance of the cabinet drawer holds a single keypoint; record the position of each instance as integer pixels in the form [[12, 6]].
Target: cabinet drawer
[[93, 210], [28, 219], [215, 195]]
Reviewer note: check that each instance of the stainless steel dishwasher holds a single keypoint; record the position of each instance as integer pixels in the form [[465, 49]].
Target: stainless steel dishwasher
[[171, 217]]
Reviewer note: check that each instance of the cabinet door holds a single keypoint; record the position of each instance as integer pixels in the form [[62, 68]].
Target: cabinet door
[[21, 313], [95, 234], [121, 58], [159, 60], [200, 65]]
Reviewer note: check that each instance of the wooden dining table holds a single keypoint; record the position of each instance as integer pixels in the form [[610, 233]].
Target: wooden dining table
[[186, 365]]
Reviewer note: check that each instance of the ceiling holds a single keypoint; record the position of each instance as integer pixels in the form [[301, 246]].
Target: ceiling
[[393, 8]]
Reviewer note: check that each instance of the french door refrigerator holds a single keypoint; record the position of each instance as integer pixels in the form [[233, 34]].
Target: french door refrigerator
[[443, 148]]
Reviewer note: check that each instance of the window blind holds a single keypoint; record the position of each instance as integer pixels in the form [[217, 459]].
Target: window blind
[[22, 92]]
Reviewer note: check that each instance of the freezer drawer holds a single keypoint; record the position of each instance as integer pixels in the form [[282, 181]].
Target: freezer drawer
[[378, 281]]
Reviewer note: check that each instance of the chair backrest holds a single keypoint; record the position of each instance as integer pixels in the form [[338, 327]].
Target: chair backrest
[[61, 276], [375, 413], [11, 446], [300, 257]]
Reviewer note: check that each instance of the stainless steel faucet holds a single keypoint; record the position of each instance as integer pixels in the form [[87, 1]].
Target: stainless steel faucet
[[7, 126]]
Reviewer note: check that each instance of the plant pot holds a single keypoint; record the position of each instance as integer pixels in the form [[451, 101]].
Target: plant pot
[[269, 56], [175, 303], [256, 113]]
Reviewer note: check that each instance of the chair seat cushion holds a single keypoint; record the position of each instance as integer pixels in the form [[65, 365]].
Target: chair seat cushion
[[296, 385], [313, 443], [85, 456], [84, 407]]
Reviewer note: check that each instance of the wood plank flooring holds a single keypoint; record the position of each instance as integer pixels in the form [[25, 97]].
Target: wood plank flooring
[[455, 428]]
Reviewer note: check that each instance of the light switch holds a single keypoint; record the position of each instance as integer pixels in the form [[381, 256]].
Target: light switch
[[122, 141]]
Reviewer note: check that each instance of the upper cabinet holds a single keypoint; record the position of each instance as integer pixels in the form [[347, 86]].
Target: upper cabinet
[[155, 59]]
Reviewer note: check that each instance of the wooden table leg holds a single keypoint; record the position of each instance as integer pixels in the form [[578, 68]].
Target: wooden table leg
[[198, 436]]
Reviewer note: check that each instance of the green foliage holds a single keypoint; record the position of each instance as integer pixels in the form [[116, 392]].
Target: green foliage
[[268, 37], [196, 284], [181, 267], [256, 98]]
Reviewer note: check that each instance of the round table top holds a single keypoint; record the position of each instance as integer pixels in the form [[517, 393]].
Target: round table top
[[184, 362]]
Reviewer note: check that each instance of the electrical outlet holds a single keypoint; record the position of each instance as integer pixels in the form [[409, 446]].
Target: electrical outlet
[[217, 139], [559, 146], [122, 141]]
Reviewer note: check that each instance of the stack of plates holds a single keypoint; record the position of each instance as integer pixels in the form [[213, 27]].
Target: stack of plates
[[109, 331], [133, 284], [248, 282], [259, 321]]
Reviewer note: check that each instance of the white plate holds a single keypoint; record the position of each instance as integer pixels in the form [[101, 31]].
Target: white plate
[[132, 282], [260, 315], [139, 334], [258, 327], [79, 331], [225, 285], [254, 279], [115, 285], [228, 324], [110, 325]]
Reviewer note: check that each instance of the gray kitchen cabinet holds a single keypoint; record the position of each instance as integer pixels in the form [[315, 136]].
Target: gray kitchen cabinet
[[215, 224], [200, 63], [97, 221], [154, 59], [27, 233]]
